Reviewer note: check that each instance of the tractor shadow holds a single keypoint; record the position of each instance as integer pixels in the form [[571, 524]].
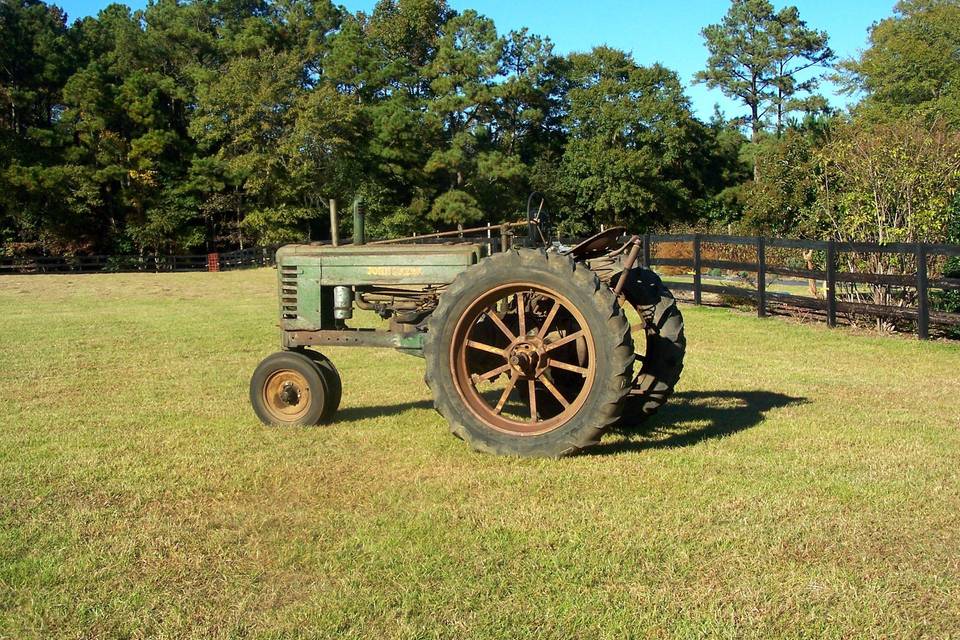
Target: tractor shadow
[[351, 414], [691, 417]]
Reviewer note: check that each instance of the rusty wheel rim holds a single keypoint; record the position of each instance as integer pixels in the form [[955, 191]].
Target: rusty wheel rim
[[286, 395], [526, 342]]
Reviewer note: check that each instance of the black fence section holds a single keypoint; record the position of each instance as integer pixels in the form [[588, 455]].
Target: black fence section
[[831, 304], [252, 257]]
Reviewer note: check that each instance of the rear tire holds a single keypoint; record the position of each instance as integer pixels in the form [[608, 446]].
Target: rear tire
[[599, 400], [660, 366]]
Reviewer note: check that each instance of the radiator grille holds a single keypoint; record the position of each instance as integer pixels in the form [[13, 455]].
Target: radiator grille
[[288, 292]]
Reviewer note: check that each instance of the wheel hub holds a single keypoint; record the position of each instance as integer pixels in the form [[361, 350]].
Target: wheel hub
[[290, 394], [287, 395], [528, 358]]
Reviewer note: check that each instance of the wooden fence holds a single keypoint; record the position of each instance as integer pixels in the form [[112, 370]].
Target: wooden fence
[[252, 257], [831, 304], [738, 254]]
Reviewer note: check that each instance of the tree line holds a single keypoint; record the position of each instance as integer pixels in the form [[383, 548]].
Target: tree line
[[211, 124]]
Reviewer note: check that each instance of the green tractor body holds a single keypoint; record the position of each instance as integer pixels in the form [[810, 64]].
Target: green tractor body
[[312, 276]]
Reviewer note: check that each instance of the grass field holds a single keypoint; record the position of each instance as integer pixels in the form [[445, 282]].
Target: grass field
[[804, 483]]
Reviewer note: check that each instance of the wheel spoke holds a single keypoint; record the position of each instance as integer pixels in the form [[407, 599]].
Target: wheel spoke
[[564, 340], [506, 393], [493, 373], [497, 321], [556, 392], [549, 320], [485, 347], [568, 367], [521, 313], [532, 392]]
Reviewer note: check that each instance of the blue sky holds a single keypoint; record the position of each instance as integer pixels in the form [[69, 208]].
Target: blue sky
[[654, 30]]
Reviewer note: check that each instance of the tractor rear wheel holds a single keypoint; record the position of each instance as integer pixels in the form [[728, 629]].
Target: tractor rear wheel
[[529, 354], [288, 388], [660, 344]]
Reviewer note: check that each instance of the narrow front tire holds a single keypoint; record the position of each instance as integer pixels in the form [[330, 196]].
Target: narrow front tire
[[288, 389]]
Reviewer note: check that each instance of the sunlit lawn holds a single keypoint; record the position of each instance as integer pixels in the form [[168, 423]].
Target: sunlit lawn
[[805, 483]]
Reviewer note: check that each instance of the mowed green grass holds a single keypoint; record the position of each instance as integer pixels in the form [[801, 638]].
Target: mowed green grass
[[804, 483]]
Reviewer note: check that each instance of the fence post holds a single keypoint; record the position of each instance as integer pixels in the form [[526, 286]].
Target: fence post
[[923, 303], [831, 283], [697, 294], [761, 277], [646, 251]]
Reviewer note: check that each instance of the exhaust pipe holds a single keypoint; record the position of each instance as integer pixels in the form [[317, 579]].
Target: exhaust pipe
[[359, 230]]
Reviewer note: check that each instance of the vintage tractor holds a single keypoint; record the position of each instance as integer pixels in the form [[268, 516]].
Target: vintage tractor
[[529, 349]]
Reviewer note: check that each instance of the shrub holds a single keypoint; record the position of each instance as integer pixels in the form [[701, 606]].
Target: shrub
[[950, 300]]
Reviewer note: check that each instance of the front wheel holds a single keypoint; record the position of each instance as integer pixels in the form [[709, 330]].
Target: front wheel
[[331, 378], [529, 354], [288, 388]]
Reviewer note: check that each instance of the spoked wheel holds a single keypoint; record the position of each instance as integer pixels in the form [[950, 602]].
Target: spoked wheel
[[290, 388], [528, 354], [543, 347]]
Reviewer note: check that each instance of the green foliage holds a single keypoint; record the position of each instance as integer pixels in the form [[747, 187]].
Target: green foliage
[[456, 207], [785, 187], [950, 300], [35, 62], [725, 168], [888, 182], [911, 66], [633, 156], [225, 122], [205, 123], [760, 57]]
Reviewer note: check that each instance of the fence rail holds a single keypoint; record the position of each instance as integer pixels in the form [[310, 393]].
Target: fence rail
[[252, 257], [830, 304]]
